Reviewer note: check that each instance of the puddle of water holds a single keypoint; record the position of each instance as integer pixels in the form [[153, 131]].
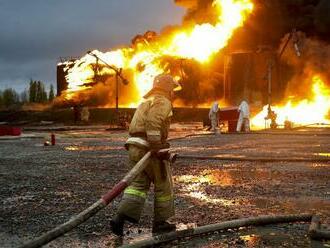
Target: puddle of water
[[307, 204], [211, 177], [229, 155], [93, 148], [251, 240], [203, 197], [322, 154], [316, 165], [227, 177], [221, 178]]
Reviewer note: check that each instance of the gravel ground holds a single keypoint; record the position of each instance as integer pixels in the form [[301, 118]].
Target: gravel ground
[[43, 186]]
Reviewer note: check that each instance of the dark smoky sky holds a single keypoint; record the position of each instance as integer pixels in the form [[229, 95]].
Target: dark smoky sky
[[35, 33]]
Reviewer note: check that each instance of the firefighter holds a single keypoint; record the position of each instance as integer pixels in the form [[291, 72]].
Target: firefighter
[[244, 117], [213, 116], [148, 131]]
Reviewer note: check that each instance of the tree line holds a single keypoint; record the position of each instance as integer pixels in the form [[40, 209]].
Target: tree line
[[36, 93]]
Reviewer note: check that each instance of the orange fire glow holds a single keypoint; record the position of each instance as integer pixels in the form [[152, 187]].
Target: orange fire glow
[[143, 62], [304, 112]]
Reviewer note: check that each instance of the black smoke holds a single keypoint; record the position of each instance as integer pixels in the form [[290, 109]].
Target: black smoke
[[270, 21]]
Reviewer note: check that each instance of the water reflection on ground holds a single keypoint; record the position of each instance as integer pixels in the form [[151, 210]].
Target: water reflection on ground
[[92, 148], [237, 187]]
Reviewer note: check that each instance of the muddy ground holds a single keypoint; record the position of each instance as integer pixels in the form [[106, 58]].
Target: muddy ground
[[42, 186]]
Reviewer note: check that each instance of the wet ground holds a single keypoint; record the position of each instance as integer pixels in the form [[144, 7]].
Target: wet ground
[[42, 186]]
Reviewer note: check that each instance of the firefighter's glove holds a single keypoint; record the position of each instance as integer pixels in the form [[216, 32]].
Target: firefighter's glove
[[156, 147], [165, 154]]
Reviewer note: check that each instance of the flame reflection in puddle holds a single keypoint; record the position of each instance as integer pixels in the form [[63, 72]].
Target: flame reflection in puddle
[[93, 148], [194, 185], [201, 196], [317, 165], [322, 154], [251, 240], [211, 177]]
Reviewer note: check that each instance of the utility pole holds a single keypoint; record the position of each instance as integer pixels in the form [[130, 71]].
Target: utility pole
[[118, 75], [271, 115], [269, 79], [117, 94]]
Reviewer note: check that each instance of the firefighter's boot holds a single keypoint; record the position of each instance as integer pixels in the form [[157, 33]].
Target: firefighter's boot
[[162, 227], [117, 224]]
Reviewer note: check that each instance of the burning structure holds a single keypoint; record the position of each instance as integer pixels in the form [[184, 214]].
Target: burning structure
[[224, 50]]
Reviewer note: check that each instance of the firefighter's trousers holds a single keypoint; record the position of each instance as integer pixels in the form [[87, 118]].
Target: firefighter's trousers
[[243, 123], [158, 173], [214, 123]]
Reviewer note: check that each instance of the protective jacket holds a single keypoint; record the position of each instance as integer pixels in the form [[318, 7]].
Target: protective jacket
[[151, 120], [148, 129], [243, 108]]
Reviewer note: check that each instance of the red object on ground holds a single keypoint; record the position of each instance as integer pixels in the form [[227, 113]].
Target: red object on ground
[[8, 130], [230, 115], [53, 141]]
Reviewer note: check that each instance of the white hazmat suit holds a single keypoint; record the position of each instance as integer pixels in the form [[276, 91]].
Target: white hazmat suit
[[213, 116], [244, 117]]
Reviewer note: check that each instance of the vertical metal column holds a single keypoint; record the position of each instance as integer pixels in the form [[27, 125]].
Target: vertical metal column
[[270, 68]]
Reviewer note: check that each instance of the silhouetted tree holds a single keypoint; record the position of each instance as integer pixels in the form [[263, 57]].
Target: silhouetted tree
[[41, 93], [51, 93], [37, 92], [1, 99], [10, 97], [33, 91]]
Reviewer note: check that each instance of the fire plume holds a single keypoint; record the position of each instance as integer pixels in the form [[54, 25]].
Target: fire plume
[[145, 59], [304, 112]]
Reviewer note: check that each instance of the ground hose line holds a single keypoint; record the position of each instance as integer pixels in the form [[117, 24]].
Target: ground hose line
[[253, 159], [93, 209], [253, 221]]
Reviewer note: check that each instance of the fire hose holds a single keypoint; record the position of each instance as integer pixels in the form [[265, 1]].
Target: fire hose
[[252, 221], [93, 209]]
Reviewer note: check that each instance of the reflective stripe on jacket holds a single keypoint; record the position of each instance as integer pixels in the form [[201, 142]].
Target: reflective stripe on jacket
[[137, 141]]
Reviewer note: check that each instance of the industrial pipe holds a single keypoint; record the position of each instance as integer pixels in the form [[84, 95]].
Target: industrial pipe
[[253, 221], [93, 209]]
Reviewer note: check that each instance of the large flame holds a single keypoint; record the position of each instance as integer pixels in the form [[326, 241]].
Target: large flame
[[304, 112], [143, 62]]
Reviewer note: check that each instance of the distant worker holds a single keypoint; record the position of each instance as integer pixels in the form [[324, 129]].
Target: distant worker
[[85, 114], [214, 116], [149, 131], [244, 117]]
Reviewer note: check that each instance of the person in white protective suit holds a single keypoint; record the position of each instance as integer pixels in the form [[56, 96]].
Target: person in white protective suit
[[213, 116], [244, 117]]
